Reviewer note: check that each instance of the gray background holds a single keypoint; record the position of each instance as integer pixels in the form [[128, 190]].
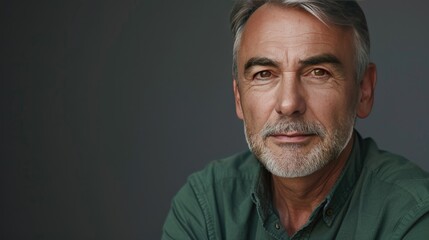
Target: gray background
[[107, 107]]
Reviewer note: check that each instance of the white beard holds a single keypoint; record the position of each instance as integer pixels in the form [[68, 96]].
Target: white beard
[[291, 161]]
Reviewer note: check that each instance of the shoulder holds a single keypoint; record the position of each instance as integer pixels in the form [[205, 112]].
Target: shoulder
[[241, 166], [396, 171], [210, 196], [397, 188], [225, 183], [234, 175]]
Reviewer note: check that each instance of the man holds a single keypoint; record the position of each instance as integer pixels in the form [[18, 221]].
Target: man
[[301, 77]]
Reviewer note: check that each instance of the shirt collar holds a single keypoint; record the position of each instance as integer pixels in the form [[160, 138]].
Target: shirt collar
[[261, 192], [345, 183]]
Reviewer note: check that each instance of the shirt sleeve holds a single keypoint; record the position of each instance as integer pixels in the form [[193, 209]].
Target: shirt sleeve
[[420, 230], [415, 224], [185, 219]]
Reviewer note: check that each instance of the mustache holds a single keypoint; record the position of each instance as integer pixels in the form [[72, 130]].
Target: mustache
[[284, 126]]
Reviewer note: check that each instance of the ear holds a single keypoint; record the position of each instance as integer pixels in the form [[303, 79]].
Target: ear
[[238, 108], [367, 88]]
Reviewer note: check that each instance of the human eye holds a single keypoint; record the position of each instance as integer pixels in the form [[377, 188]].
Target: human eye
[[317, 74], [263, 75], [320, 73]]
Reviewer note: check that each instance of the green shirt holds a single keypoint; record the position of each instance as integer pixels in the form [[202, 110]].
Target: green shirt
[[379, 195]]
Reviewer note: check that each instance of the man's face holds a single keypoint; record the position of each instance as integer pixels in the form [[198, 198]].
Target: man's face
[[296, 90]]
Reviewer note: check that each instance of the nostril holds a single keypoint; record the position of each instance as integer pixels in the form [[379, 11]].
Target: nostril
[[291, 105], [293, 113]]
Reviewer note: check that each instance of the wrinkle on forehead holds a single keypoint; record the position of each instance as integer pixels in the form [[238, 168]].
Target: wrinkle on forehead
[[288, 34], [290, 54]]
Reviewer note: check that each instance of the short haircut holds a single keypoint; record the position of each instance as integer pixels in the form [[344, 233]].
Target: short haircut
[[338, 12]]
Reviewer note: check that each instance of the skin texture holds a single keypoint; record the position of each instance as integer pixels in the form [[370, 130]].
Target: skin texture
[[292, 66]]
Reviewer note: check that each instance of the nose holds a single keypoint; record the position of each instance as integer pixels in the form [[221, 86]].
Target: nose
[[290, 97]]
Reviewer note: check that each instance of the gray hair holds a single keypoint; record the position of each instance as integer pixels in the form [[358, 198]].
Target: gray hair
[[338, 12]]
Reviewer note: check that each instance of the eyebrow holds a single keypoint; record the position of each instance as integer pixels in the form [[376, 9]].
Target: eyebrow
[[319, 59], [313, 60], [259, 61]]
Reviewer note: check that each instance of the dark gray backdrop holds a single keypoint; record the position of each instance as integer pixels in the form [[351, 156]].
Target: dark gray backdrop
[[107, 107]]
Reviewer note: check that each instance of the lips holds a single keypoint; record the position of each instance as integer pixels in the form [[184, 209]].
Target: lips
[[292, 137]]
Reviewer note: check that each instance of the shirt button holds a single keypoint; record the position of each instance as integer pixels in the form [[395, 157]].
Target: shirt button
[[277, 226], [329, 212]]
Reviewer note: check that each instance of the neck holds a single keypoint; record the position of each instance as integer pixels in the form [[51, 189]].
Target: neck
[[296, 198]]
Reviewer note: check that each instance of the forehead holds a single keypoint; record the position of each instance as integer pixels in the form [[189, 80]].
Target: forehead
[[291, 32]]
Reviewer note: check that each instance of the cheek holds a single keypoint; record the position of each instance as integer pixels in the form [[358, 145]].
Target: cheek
[[257, 109], [331, 108]]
